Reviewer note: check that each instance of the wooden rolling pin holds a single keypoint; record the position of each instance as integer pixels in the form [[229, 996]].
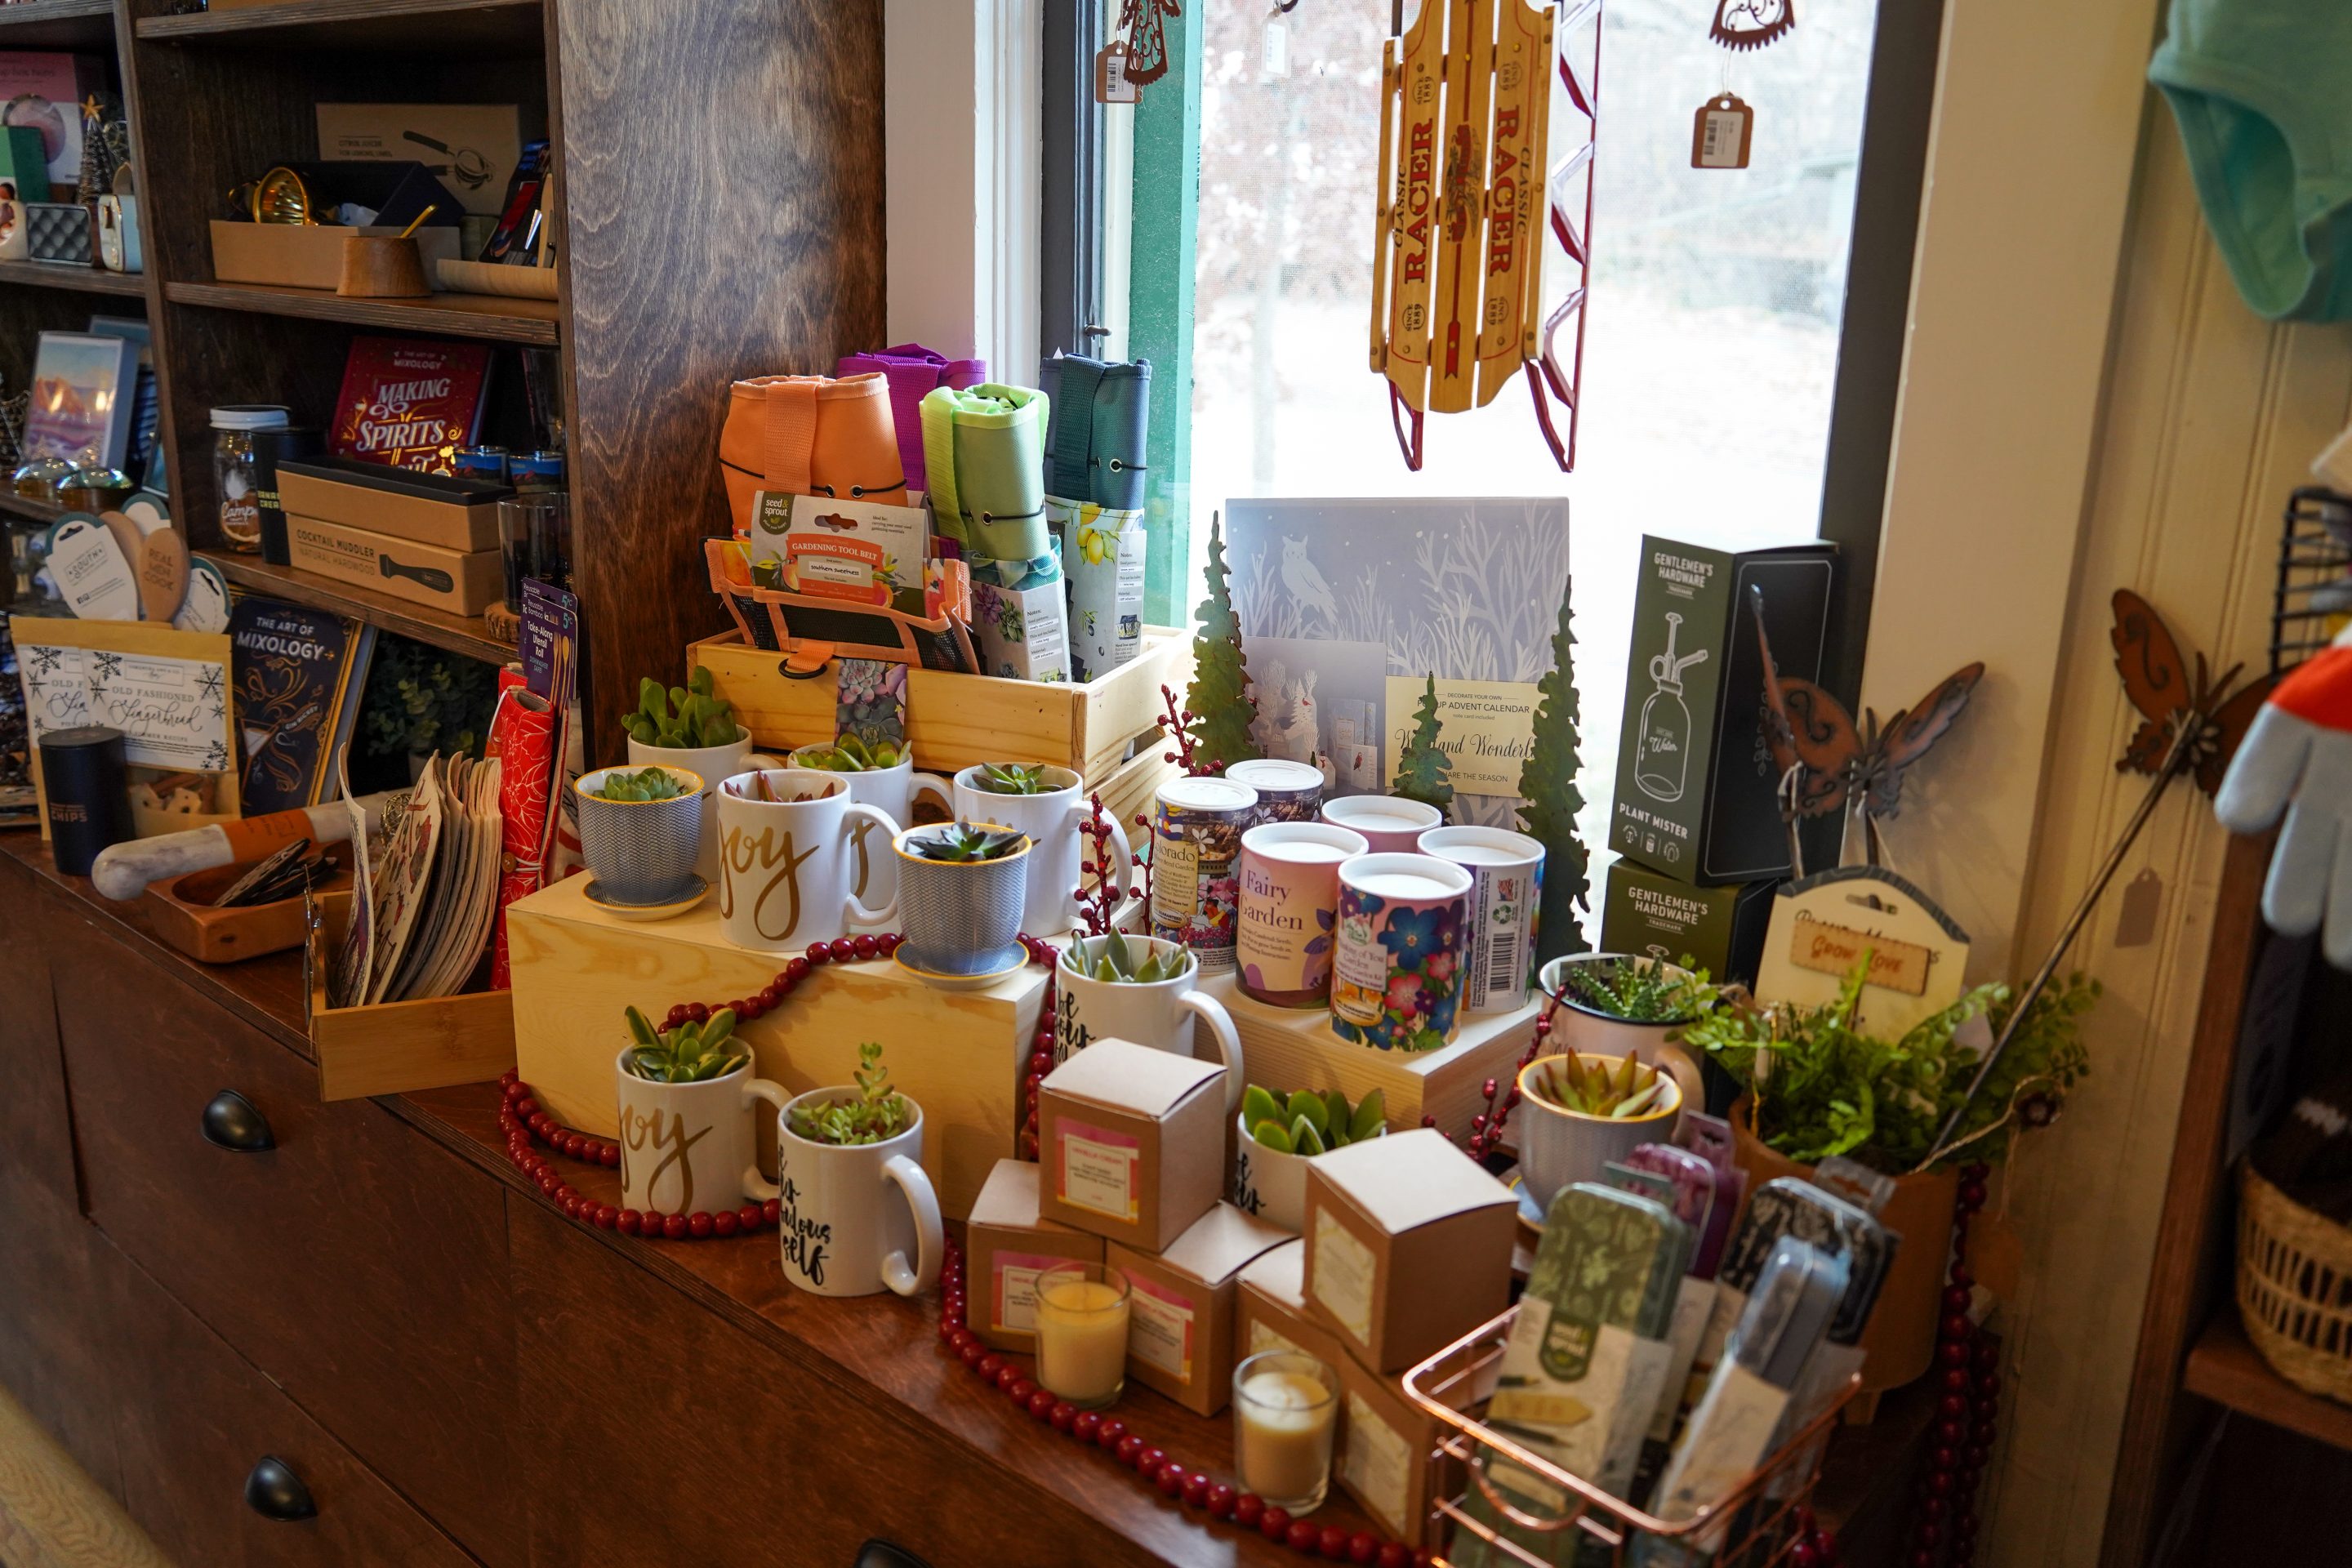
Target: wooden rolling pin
[[123, 870]]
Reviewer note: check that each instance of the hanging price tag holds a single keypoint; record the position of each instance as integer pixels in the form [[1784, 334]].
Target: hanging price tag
[[1111, 84], [1720, 132], [1275, 56]]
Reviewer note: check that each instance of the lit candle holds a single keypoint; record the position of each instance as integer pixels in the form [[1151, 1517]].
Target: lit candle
[[1284, 1407], [1081, 1318]]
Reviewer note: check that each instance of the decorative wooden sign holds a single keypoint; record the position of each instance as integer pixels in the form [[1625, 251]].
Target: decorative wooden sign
[[1821, 926]]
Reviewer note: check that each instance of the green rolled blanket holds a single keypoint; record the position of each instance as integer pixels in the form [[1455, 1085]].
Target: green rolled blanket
[[984, 454]]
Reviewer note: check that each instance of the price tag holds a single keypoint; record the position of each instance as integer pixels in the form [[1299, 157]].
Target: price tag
[[1720, 132], [1275, 54], [1111, 84]]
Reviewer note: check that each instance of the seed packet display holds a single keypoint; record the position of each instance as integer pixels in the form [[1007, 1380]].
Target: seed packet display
[[1691, 1190], [1748, 1397], [1709, 1137], [1585, 1361]]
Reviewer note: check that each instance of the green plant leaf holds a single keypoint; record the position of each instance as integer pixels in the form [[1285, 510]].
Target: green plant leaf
[[1259, 1105], [1309, 1107], [1274, 1135], [1370, 1118], [1305, 1138]]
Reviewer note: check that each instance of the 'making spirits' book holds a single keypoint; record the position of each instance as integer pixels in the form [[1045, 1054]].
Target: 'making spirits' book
[[410, 402]]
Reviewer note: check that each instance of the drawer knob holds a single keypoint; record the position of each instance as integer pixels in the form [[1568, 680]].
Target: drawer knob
[[236, 1123], [274, 1491]]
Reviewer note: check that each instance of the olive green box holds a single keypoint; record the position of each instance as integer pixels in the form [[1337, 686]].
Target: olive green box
[[1719, 929]]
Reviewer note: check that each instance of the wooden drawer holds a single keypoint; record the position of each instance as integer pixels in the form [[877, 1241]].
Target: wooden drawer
[[199, 1419], [359, 1265]]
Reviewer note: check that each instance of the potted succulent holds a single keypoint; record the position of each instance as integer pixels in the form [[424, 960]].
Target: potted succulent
[[1280, 1133], [1012, 778], [1144, 989], [840, 1154], [1625, 1005], [1817, 1085], [692, 727], [640, 832], [1579, 1111], [880, 774], [962, 885], [687, 1138]]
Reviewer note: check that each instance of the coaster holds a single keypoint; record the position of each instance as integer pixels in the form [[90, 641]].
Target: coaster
[[992, 968], [697, 889]]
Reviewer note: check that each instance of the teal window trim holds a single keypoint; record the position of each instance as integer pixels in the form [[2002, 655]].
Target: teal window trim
[[1160, 310]]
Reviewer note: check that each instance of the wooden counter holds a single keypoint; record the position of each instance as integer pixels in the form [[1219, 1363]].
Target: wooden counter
[[456, 1371]]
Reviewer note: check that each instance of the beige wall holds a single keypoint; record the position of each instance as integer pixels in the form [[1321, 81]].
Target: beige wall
[[2087, 406]]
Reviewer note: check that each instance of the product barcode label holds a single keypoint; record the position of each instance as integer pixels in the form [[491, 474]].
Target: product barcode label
[[1503, 962]]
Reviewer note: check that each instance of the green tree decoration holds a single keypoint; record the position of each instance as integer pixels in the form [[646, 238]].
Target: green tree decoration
[[1547, 780], [1220, 708], [1423, 773]]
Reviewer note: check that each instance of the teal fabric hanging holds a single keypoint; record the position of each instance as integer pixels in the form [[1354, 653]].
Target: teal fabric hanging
[[2261, 90]]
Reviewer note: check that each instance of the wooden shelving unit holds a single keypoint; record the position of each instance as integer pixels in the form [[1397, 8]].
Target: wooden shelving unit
[[41, 511], [667, 298], [2225, 1368]]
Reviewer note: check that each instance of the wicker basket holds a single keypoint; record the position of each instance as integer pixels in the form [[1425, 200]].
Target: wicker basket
[[2294, 1288]]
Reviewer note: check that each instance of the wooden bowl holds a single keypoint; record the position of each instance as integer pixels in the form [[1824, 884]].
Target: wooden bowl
[[183, 914], [382, 267]]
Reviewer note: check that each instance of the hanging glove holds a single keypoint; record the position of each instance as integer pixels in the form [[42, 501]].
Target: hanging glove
[[2298, 758]]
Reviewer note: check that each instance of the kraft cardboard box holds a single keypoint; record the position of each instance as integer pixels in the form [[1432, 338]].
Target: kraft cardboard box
[[1270, 1308], [1007, 1244], [432, 509], [1132, 1142], [472, 148], [1180, 1336], [463, 582], [1695, 789], [1719, 929], [1407, 1246]]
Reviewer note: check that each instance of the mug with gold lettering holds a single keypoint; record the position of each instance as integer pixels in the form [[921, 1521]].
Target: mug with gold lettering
[[691, 1148], [893, 792], [787, 859]]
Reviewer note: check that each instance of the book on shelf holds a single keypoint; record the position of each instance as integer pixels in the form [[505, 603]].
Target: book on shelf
[[297, 673], [410, 402]]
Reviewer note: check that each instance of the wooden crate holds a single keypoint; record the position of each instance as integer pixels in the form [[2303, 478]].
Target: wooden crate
[[959, 1055], [956, 720], [397, 1046], [1291, 1048]]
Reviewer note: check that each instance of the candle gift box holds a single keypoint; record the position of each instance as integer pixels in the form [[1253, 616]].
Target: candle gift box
[[1270, 1308], [1007, 1244], [1719, 929], [1388, 1217], [1181, 1337], [1131, 1143], [1691, 801]]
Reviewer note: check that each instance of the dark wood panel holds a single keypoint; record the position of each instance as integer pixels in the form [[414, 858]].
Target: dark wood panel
[[52, 275], [58, 24], [446, 315], [59, 1352], [437, 24], [358, 1265], [468, 635], [36, 1154], [203, 1416], [729, 231]]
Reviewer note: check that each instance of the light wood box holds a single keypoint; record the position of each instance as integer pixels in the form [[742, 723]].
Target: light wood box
[[1288, 1049], [956, 720], [959, 1055], [462, 583], [396, 1046]]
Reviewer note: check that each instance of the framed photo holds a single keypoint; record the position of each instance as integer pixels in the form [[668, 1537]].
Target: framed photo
[[81, 396]]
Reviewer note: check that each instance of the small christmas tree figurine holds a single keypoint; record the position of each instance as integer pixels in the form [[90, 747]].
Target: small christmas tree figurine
[[1547, 780], [1423, 773], [1219, 698], [99, 161]]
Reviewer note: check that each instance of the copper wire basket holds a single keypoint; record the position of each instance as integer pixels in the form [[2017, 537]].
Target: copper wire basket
[[1750, 1527]]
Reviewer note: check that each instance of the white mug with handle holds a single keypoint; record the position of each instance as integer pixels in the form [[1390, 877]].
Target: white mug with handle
[[892, 791], [786, 860], [711, 765], [1155, 1012], [692, 1147], [856, 1219], [1053, 819]]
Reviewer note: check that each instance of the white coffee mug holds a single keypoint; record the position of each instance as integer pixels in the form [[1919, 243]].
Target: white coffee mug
[[1155, 1012], [844, 1231], [785, 864], [1052, 821], [890, 790], [689, 1148], [713, 764]]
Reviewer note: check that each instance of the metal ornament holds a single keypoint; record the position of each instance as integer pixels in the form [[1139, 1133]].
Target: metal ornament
[[1465, 185], [1144, 25], [1751, 23]]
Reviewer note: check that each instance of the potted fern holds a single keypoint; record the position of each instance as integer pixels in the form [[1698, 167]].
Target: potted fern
[[857, 1215], [1623, 1005], [1279, 1134]]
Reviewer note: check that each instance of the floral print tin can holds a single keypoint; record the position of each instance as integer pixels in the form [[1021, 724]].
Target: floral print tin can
[[1287, 791], [1396, 979], [1290, 910], [1196, 849]]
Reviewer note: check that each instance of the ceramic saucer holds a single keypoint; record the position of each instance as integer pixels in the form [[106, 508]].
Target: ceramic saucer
[[1006, 961], [697, 889]]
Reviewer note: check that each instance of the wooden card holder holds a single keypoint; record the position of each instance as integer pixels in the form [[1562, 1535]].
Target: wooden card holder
[[397, 1046], [183, 911], [957, 1054]]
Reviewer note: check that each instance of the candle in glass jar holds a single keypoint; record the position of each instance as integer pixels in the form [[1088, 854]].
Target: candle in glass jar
[[1285, 1404], [1081, 1319]]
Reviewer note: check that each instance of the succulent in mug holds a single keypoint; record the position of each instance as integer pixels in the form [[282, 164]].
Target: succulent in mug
[[1306, 1122], [1116, 960], [962, 842], [877, 1112], [1640, 991], [691, 1053], [848, 755], [682, 717], [1014, 778], [1568, 1083], [645, 783]]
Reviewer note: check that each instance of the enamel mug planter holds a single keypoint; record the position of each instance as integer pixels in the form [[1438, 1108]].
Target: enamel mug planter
[[690, 1148], [855, 1219], [1396, 980], [710, 764], [1155, 1012], [892, 791]]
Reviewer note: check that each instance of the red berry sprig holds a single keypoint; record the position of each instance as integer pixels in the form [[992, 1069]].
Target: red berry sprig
[[1196, 1489], [1968, 1361], [1487, 1127]]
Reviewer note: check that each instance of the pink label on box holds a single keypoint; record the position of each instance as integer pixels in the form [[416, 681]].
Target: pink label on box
[[1099, 1170], [1012, 1295], [1160, 1327]]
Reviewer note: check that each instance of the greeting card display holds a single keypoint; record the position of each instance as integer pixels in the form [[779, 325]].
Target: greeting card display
[[410, 404], [80, 403]]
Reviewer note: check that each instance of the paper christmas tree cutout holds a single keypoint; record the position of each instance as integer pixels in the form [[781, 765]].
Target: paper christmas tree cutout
[[1219, 696], [1547, 780], [1423, 773]]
